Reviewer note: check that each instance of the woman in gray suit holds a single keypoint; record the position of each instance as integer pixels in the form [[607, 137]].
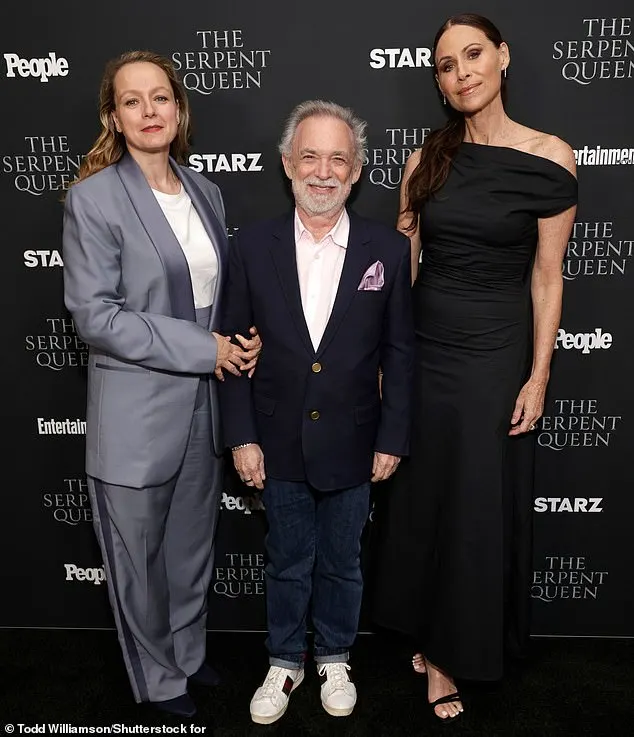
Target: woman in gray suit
[[145, 256]]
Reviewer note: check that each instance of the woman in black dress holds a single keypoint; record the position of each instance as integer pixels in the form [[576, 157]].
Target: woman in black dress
[[492, 203]]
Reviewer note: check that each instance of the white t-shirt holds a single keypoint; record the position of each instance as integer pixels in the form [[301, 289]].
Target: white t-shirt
[[195, 242]]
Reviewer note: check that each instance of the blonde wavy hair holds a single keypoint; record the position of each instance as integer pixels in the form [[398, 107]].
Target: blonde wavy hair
[[110, 145]]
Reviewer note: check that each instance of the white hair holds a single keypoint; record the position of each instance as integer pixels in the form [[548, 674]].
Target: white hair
[[324, 109]]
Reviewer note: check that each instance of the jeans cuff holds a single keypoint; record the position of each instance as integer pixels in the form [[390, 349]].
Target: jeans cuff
[[334, 658], [287, 662]]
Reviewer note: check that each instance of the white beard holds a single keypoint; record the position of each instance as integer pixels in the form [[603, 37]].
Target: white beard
[[317, 203]]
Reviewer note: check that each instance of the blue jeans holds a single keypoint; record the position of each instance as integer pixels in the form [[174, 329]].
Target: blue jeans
[[313, 547]]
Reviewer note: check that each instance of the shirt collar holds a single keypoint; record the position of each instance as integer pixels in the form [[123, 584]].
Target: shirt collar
[[339, 232]]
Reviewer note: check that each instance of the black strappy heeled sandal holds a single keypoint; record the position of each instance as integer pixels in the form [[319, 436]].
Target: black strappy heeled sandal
[[446, 700]]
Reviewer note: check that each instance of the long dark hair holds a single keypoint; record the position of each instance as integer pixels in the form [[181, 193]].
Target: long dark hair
[[441, 145]]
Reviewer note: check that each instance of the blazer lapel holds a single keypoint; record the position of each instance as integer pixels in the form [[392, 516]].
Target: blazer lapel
[[285, 260], [217, 234], [353, 267], [162, 236]]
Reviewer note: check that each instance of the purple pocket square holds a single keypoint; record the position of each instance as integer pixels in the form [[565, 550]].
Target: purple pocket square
[[373, 279]]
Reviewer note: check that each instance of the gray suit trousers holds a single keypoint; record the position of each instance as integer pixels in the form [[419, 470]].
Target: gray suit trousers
[[158, 546]]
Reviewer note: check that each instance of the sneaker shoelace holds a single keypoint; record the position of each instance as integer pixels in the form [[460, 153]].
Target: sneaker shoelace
[[336, 673], [274, 681]]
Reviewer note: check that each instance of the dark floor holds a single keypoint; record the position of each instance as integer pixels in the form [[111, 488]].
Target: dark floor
[[568, 687]]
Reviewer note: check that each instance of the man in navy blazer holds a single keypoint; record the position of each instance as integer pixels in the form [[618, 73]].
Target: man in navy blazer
[[330, 294]]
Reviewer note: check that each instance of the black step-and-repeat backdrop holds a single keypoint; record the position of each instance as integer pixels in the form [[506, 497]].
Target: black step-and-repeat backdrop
[[245, 65]]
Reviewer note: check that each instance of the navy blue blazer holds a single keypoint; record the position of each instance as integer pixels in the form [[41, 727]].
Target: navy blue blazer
[[318, 415]]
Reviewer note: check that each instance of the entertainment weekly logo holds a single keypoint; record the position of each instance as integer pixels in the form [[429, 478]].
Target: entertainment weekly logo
[[58, 347], [242, 575], [221, 62], [599, 156], [567, 577], [576, 423], [605, 51], [384, 165], [67, 426], [70, 504], [43, 68], [595, 251], [46, 164]]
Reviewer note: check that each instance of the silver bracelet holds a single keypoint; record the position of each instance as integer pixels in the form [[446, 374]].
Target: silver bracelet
[[237, 447]]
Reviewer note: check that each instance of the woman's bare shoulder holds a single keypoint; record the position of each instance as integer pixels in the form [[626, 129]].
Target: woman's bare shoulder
[[553, 148]]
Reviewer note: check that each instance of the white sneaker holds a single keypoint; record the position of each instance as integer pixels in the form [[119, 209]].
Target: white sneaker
[[270, 700], [338, 693]]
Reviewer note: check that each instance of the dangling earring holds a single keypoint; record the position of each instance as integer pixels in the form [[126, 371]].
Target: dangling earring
[[504, 72], [444, 100]]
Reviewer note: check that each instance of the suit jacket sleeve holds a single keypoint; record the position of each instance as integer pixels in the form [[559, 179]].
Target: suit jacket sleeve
[[397, 363], [92, 274], [235, 392]]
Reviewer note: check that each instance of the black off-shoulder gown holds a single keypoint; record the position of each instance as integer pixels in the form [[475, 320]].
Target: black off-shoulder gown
[[454, 532]]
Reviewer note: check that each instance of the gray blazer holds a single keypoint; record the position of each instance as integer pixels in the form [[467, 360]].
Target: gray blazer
[[127, 286]]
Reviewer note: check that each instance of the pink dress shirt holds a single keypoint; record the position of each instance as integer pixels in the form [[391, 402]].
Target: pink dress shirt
[[319, 267]]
